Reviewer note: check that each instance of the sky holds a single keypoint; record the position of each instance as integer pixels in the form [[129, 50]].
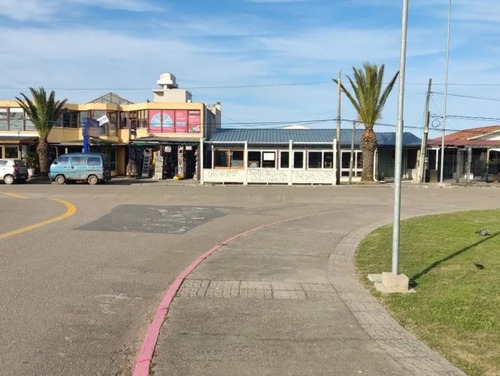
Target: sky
[[270, 63]]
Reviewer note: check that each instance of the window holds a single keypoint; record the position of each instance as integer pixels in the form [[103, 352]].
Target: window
[[4, 119], [320, 159], [268, 159], [70, 119], [62, 161], [228, 158], [237, 158], [254, 159], [221, 158], [16, 119], [113, 123], [94, 161], [78, 161], [315, 159], [357, 163], [298, 159], [83, 116], [11, 152], [284, 159], [262, 159], [328, 159]]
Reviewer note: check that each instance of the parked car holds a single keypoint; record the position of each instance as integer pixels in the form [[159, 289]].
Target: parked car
[[89, 167], [13, 171]]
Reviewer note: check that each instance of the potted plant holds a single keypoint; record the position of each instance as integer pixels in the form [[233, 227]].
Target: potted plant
[[31, 163]]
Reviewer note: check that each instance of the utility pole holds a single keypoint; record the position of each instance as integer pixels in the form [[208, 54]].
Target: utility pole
[[351, 159], [338, 157], [423, 147], [445, 89], [399, 143]]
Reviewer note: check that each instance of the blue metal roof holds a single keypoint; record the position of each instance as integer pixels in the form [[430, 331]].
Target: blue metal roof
[[305, 136]]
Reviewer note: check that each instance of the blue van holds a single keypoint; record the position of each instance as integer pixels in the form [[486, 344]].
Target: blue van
[[90, 167]]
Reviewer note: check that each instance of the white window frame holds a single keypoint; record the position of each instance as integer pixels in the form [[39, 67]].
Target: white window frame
[[322, 151], [262, 151]]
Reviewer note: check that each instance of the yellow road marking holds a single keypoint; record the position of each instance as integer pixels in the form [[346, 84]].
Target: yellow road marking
[[70, 210], [13, 195]]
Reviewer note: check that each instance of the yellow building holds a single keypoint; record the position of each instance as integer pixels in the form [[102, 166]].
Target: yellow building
[[169, 129]]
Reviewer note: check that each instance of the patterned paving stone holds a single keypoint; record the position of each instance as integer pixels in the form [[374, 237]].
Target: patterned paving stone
[[201, 288]]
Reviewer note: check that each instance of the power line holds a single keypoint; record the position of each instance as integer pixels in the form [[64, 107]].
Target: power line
[[246, 87], [468, 96]]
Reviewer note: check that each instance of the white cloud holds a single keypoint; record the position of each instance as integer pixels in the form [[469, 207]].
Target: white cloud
[[46, 10]]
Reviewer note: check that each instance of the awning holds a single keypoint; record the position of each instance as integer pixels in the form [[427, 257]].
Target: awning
[[156, 141], [16, 140], [92, 141]]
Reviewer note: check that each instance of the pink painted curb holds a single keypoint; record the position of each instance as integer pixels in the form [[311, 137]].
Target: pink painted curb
[[143, 362]]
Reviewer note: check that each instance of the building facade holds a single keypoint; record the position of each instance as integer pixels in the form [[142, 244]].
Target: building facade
[[170, 129], [298, 156]]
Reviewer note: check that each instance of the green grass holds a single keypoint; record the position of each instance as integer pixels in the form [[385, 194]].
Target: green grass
[[456, 309]]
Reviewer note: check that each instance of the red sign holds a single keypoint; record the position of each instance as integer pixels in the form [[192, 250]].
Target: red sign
[[168, 121], [181, 120], [178, 121], [194, 121]]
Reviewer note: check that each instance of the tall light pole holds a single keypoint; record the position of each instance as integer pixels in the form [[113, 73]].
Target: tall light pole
[[445, 89], [399, 143]]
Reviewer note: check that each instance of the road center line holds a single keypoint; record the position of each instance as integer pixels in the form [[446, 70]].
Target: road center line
[[70, 210], [13, 195]]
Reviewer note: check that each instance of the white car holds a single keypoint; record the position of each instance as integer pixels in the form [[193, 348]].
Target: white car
[[13, 170]]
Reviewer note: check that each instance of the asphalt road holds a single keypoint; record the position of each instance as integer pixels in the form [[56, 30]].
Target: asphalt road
[[78, 294]]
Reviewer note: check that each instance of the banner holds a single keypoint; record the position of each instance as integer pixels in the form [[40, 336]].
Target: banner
[[181, 120]]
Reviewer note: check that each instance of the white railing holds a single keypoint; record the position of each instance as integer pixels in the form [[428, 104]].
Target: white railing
[[268, 176]]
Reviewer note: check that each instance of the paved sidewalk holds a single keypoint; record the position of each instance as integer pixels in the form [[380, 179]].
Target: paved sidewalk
[[285, 301]]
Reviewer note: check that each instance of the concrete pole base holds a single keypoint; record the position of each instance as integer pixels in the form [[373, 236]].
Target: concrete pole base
[[390, 283]]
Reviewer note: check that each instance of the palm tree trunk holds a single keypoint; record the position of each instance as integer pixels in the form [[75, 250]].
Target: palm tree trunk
[[368, 147], [43, 156]]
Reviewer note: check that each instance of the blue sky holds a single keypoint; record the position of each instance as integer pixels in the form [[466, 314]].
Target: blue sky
[[269, 62]]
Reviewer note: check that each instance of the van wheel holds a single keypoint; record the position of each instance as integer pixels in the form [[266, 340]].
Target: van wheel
[[8, 179], [60, 179], [93, 180]]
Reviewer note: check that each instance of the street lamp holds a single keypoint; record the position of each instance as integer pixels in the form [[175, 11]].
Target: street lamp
[[393, 281], [445, 89]]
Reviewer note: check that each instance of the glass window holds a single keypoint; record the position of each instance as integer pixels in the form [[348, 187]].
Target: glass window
[[298, 159], [83, 116], [284, 159], [94, 161], [328, 159], [237, 158], [28, 123], [124, 120], [78, 161], [113, 123], [3, 163], [268, 159], [221, 158], [346, 157], [11, 152], [315, 159], [143, 119], [254, 159], [16, 119], [62, 161], [70, 119], [4, 119], [59, 121]]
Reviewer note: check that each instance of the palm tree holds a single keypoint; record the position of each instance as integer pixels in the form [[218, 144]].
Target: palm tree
[[368, 99], [43, 113]]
